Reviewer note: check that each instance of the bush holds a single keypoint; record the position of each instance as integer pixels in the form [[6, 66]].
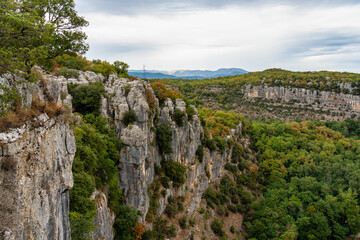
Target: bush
[[190, 111], [81, 225], [68, 73], [231, 168], [165, 181], [80, 194], [138, 231], [208, 142], [129, 117], [171, 210], [217, 226], [163, 192], [150, 99], [183, 222], [86, 98], [164, 138], [220, 143], [126, 219], [179, 117], [175, 171], [200, 153]]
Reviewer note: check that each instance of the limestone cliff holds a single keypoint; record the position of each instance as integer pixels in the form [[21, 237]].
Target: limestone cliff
[[346, 104], [35, 173], [140, 155], [36, 159]]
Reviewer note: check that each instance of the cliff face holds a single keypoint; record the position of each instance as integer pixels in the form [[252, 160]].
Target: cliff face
[[35, 173], [36, 159], [140, 155], [345, 104]]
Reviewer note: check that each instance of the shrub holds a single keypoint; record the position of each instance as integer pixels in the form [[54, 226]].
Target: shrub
[[180, 206], [81, 225], [127, 89], [161, 230], [232, 229], [129, 117], [164, 138], [175, 171], [208, 142], [86, 98], [20, 116], [183, 222], [200, 153], [150, 99], [126, 219], [9, 98], [80, 194], [217, 226], [165, 181], [179, 117], [220, 143], [68, 73], [163, 192], [158, 169], [138, 231], [231, 168], [163, 93], [190, 112], [171, 210]]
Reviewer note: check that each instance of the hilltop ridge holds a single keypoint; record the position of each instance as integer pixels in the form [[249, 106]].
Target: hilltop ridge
[[187, 74]]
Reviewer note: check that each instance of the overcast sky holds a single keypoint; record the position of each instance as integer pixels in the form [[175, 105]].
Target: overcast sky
[[210, 34]]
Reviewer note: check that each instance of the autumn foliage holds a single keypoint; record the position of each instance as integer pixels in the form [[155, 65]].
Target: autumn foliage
[[138, 231], [17, 118], [150, 99], [163, 93]]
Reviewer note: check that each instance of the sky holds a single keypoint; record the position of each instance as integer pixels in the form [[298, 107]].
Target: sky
[[298, 35]]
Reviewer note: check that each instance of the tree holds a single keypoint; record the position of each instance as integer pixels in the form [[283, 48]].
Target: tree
[[121, 68], [34, 32], [125, 221]]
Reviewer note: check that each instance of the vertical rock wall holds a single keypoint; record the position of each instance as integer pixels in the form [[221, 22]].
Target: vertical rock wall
[[140, 154], [35, 168]]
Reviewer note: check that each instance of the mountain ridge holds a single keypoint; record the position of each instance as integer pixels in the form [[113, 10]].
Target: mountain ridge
[[187, 74]]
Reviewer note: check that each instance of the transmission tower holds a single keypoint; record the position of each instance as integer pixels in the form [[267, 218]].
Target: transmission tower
[[144, 72]]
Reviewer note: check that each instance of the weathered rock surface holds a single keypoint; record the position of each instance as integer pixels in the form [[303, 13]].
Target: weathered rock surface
[[140, 154], [104, 219], [35, 179], [36, 160], [347, 104], [35, 168]]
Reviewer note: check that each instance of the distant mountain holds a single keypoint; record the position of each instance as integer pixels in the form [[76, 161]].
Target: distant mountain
[[187, 74]]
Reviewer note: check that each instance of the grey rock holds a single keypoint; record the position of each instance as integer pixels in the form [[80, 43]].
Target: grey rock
[[35, 177]]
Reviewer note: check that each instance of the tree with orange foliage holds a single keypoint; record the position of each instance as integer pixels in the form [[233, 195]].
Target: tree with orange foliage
[[138, 231]]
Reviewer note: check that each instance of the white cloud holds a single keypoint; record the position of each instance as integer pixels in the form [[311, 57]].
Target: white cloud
[[253, 38]]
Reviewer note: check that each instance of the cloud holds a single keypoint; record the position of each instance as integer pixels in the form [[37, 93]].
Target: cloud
[[126, 7], [253, 37]]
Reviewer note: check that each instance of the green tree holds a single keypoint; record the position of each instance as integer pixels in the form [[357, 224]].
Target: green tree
[[34, 32], [126, 219], [121, 68]]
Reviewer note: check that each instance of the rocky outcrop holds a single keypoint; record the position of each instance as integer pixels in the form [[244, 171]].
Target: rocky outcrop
[[35, 179], [104, 219], [36, 159], [140, 154], [347, 104], [35, 168]]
